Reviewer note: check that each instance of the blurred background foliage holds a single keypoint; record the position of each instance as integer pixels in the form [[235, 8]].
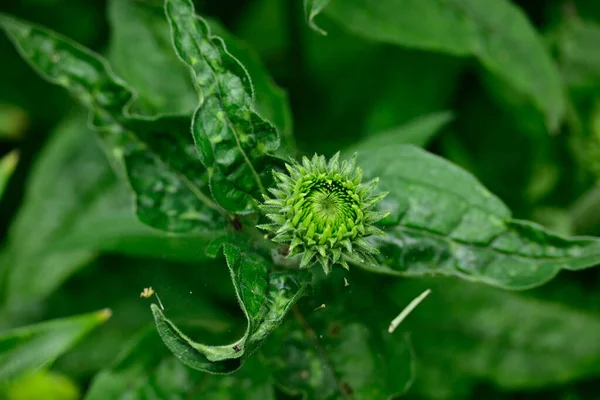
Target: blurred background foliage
[[71, 244]]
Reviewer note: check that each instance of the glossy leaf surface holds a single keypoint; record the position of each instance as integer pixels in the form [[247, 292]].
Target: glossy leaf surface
[[443, 221], [232, 138], [158, 155]]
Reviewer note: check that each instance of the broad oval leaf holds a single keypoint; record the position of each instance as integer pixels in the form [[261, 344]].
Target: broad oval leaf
[[264, 297], [465, 28], [153, 152], [443, 221], [232, 139], [36, 346]]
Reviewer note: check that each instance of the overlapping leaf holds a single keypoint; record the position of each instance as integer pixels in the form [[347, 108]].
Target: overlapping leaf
[[158, 155], [443, 221], [464, 28], [264, 296], [232, 139]]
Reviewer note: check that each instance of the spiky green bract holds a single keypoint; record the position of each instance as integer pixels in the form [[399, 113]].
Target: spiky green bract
[[323, 211]]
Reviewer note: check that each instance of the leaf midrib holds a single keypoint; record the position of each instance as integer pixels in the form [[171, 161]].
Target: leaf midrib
[[220, 97], [492, 249]]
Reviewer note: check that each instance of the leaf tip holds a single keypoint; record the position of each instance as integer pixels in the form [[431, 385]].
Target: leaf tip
[[105, 314]]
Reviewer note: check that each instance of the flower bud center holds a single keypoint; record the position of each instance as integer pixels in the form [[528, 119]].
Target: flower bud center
[[331, 205]]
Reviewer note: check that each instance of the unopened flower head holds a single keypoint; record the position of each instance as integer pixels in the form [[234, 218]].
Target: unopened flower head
[[323, 211]]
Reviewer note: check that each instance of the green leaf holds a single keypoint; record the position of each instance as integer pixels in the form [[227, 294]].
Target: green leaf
[[130, 375], [417, 85], [264, 296], [271, 101], [443, 221], [158, 156], [515, 340], [579, 57], [418, 132], [408, 84], [232, 139], [8, 163], [78, 208], [337, 346], [465, 28], [311, 9], [37, 346], [348, 362], [41, 384], [195, 295], [13, 121], [141, 53], [146, 367]]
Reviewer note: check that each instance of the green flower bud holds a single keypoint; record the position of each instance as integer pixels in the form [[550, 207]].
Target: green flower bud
[[323, 211]]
